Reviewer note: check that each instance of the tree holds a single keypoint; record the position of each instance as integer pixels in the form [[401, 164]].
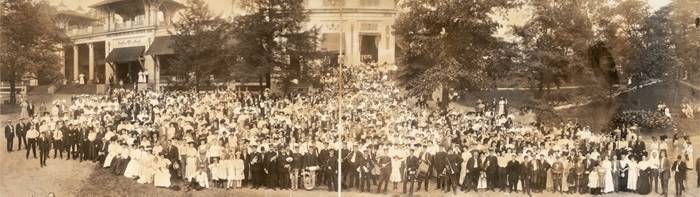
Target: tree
[[555, 43], [200, 42], [686, 36], [271, 39], [29, 41], [654, 47], [449, 44]]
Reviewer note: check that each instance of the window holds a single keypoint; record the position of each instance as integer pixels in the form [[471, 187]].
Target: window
[[333, 3], [369, 3], [368, 27]]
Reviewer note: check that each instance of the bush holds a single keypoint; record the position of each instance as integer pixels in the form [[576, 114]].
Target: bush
[[645, 119]]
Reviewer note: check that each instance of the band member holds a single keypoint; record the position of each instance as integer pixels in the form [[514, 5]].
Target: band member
[[411, 171], [297, 165], [452, 162], [425, 159], [331, 166], [365, 170], [385, 166], [514, 173], [557, 171]]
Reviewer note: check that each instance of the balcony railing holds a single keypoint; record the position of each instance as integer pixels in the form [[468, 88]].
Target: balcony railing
[[78, 31]]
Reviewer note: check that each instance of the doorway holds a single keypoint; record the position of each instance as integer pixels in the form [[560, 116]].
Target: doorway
[[369, 50]]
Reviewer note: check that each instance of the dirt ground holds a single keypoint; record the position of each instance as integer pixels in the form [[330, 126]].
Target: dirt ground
[[24, 177]]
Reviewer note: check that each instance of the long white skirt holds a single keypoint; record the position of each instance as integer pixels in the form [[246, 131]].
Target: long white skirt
[[108, 160], [162, 178], [146, 176], [132, 169], [609, 184]]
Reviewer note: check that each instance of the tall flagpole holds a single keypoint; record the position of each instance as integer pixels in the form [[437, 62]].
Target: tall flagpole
[[341, 61]]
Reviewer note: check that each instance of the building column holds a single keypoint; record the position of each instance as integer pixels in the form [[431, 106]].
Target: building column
[[91, 62], [108, 65], [76, 66], [62, 56], [156, 75]]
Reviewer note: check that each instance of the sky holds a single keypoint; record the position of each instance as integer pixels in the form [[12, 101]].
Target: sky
[[220, 6]]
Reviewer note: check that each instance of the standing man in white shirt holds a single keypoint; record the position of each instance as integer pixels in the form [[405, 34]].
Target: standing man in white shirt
[[32, 135]]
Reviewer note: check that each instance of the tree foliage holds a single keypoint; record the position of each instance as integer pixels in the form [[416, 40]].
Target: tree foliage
[[555, 43], [686, 36], [271, 39], [450, 43], [200, 42], [29, 41]]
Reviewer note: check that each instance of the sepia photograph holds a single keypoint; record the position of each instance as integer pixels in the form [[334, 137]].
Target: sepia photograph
[[322, 98]]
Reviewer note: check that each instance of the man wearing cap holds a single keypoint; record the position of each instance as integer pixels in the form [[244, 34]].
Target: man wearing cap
[[297, 164], [411, 171], [354, 160], [384, 165], [491, 167], [365, 169], [10, 135]]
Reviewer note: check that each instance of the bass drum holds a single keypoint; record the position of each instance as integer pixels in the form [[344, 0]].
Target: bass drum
[[309, 177]]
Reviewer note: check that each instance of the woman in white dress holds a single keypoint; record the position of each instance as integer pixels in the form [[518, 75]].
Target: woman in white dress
[[482, 184], [609, 185], [113, 150], [632, 174], [593, 181], [191, 155], [238, 170], [148, 167], [134, 166], [463, 172], [161, 174], [23, 109], [395, 176]]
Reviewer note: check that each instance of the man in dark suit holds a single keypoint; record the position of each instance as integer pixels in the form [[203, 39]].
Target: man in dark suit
[[425, 158], [439, 168], [365, 169], [171, 153], [258, 170], [30, 109], [680, 168], [271, 165], [385, 166], [322, 157], [491, 167], [331, 166], [513, 173], [697, 163], [411, 171], [473, 171], [354, 160], [9, 135], [21, 134], [43, 142], [588, 165], [664, 173], [452, 167], [527, 173]]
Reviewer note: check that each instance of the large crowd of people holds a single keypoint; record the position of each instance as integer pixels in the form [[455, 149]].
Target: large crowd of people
[[235, 139]]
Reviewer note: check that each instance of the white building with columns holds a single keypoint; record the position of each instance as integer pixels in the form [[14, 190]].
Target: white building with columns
[[122, 38]]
